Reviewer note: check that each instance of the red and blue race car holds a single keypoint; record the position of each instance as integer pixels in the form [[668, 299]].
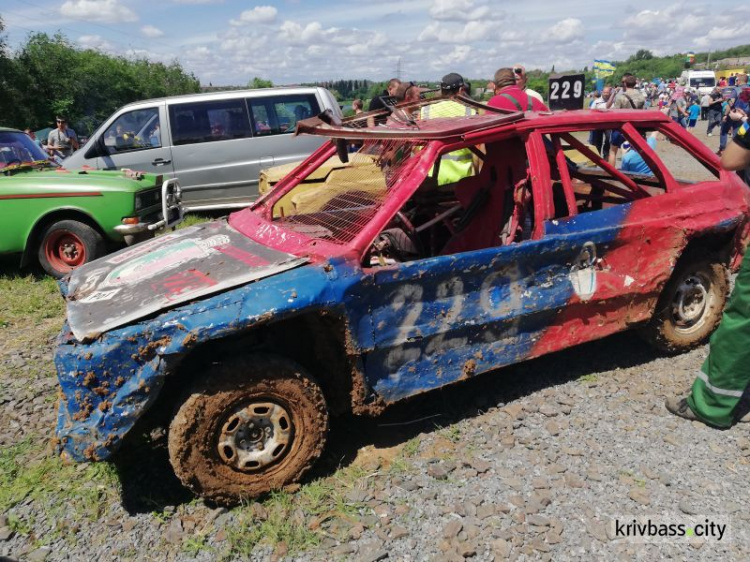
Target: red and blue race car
[[439, 249]]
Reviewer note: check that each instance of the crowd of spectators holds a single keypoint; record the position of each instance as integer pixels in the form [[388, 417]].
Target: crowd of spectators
[[720, 108]]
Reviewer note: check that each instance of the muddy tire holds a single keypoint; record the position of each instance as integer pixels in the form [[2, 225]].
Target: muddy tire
[[690, 306], [68, 244], [256, 424]]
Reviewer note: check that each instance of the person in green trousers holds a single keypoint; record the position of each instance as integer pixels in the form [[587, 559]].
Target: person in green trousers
[[725, 375]]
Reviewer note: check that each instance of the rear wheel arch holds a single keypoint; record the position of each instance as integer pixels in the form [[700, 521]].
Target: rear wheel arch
[[691, 303], [716, 244]]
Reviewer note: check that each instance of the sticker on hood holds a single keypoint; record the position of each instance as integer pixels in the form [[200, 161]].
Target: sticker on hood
[[161, 273]]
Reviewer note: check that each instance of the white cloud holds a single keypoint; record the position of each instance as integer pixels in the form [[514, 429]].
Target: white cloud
[[513, 36], [721, 34], [198, 1], [106, 11], [95, 42], [151, 31], [567, 30], [294, 34], [647, 23], [471, 32], [243, 44], [317, 50], [453, 59], [150, 55], [691, 24], [461, 10], [259, 14]]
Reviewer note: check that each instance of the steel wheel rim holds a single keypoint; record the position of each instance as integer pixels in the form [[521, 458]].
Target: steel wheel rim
[[64, 250], [255, 436], [690, 303]]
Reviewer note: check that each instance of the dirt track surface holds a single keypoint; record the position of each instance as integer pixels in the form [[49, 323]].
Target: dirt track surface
[[531, 462]]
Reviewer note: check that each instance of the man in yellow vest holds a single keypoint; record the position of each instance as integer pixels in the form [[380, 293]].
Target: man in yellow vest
[[459, 163]]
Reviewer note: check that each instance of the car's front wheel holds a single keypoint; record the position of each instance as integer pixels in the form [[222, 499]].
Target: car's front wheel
[[68, 244], [690, 306], [255, 424]]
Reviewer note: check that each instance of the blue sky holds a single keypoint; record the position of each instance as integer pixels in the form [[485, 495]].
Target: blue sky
[[228, 42]]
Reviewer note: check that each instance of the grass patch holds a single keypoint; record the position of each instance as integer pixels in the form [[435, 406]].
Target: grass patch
[[282, 524], [191, 219], [297, 520], [591, 377], [66, 491], [451, 433], [195, 544], [28, 300], [411, 447]]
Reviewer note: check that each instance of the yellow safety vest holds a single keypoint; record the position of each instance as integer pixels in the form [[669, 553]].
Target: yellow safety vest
[[459, 163]]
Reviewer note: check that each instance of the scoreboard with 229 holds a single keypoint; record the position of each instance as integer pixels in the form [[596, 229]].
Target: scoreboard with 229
[[566, 92]]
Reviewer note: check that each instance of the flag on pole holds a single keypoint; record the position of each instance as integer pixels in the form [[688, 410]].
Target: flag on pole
[[603, 68]]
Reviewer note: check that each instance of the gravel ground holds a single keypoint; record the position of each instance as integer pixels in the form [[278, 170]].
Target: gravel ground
[[532, 462]]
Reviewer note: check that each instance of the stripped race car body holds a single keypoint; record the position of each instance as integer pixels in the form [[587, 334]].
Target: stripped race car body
[[386, 284]]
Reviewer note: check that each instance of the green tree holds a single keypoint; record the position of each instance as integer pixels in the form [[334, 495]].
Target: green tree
[[257, 82], [642, 54], [8, 89], [46, 66], [84, 84]]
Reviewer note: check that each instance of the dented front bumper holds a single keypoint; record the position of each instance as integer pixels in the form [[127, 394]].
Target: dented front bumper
[[108, 383], [105, 387]]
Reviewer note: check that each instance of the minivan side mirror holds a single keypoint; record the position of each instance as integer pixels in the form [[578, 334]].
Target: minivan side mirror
[[96, 149]]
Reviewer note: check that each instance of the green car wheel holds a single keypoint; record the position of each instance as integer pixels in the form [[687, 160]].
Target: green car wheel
[[67, 244]]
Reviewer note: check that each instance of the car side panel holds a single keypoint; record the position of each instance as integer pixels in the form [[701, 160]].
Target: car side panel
[[22, 209], [442, 319], [654, 234]]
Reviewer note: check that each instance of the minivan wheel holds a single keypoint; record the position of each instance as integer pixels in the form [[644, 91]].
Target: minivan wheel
[[68, 244], [256, 424], [690, 306]]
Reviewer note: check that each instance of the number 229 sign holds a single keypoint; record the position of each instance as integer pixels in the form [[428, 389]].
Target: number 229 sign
[[566, 92]]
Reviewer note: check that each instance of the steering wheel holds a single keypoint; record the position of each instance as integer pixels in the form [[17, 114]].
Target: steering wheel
[[411, 232]]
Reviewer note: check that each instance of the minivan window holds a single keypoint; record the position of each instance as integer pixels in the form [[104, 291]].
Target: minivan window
[[208, 121], [275, 115], [702, 82], [134, 130]]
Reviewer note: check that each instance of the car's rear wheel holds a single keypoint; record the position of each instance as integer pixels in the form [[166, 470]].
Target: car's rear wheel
[[254, 425], [68, 244], [690, 306]]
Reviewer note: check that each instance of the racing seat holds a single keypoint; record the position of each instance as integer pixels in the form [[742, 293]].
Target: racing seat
[[487, 199]]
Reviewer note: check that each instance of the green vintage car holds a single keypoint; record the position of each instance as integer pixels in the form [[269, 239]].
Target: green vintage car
[[65, 218]]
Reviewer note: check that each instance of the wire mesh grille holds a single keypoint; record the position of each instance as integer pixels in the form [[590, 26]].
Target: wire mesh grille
[[337, 207]]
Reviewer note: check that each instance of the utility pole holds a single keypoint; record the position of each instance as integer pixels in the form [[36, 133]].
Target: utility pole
[[398, 68]]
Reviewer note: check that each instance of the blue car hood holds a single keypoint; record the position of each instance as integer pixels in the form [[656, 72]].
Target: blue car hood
[[164, 272]]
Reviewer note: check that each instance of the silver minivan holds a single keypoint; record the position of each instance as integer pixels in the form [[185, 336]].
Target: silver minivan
[[215, 143]]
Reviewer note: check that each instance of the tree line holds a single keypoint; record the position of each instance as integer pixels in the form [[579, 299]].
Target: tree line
[[48, 76]]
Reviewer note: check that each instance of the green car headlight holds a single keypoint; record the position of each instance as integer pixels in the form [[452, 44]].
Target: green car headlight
[[146, 199]]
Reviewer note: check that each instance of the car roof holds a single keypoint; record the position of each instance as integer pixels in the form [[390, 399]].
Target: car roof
[[494, 120], [224, 94], [9, 130]]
